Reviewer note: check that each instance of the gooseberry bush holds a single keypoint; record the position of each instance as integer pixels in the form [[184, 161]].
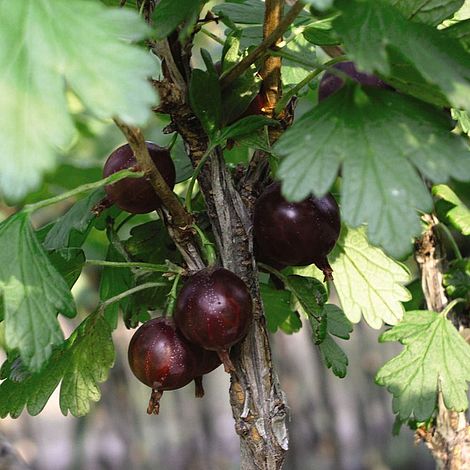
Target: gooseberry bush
[[329, 143]]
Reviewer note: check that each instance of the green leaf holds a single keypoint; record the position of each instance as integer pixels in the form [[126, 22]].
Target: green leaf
[[334, 357], [68, 262], [237, 97], [150, 243], [457, 212], [168, 14], [205, 98], [278, 311], [432, 12], [90, 359], [299, 60], [338, 324], [41, 52], [434, 356], [321, 5], [113, 281], [461, 32], [80, 363], [321, 32], [457, 279], [246, 126], [311, 296], [310, 293], [358, 128], [183, 165], [441, 60], [33, 293], [71, 229], [463, 118], [251, 12], [367, 281], [405, 77]]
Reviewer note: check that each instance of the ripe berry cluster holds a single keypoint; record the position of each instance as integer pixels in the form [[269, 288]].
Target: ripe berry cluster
[[213, 312], [214, 308]]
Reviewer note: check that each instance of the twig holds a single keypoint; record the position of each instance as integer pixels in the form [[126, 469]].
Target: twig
[[136, 140], [228, 77], [271, 69]]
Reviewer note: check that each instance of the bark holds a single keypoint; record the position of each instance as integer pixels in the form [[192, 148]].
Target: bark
[[258, 404], [449, 441]]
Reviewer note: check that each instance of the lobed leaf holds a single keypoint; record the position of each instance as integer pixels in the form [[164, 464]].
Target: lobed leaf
[[367, 281], [440, 59], [47, 44], [33, 293], [435, 357], [81, 363], [380, 138], [456, 211]]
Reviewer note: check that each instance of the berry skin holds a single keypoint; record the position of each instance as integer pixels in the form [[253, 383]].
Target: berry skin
[[214, 311], [295, 233], [160, 357], [136, 195], [331, 83]]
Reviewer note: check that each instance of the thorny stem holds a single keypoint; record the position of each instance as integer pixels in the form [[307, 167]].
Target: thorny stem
[[233, 73], [114, 178], [169, 199]]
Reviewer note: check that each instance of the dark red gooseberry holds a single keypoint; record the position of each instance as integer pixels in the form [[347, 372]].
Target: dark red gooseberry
[[136, 195], [295, 233], [331, 83], [214, 311], [160, 357]]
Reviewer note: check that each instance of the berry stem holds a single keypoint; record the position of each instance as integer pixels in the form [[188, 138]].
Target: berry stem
[[226, 361], [199, 389], [154, 402], [114, 178]]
